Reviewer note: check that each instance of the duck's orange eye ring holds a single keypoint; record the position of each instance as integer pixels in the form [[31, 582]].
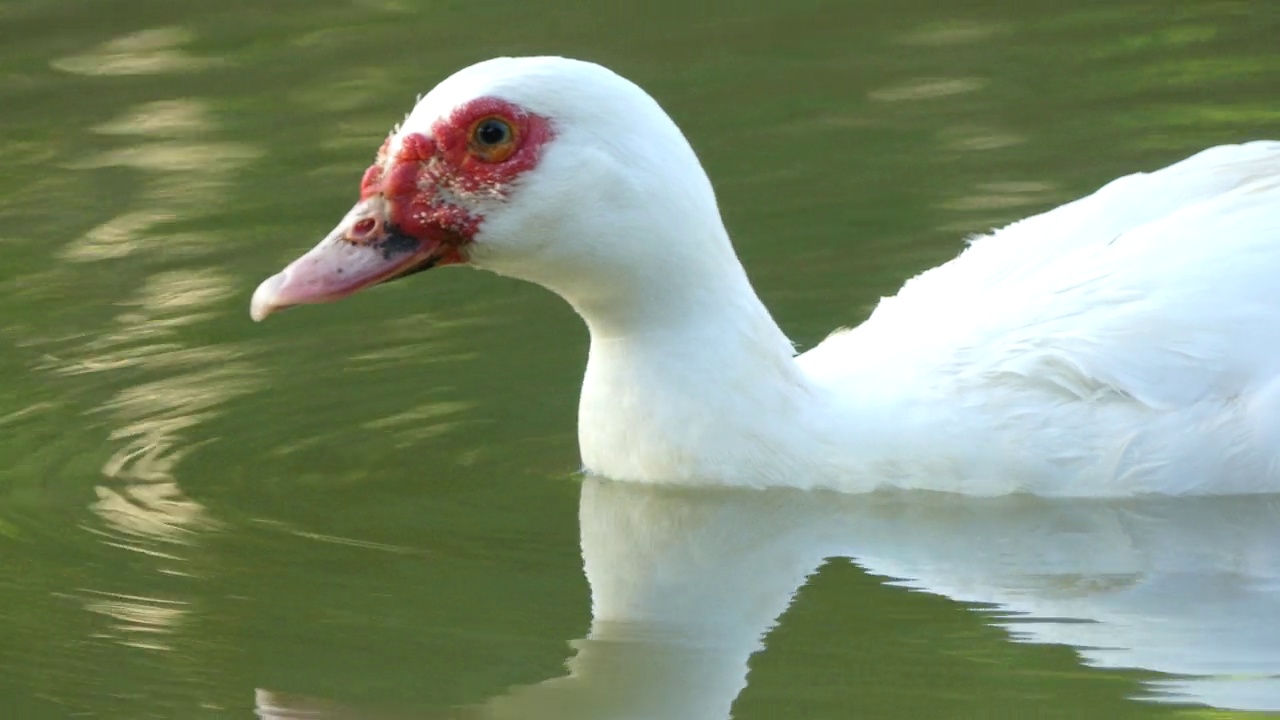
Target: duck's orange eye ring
[[492, 139]]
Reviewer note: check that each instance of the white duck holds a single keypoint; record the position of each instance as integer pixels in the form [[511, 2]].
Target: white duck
[[1124, 343]]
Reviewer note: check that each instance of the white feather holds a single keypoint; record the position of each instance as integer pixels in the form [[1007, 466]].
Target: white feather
[[1128, 340]]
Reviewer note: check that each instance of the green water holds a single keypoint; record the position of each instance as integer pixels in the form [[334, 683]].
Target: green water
[[373, 506]]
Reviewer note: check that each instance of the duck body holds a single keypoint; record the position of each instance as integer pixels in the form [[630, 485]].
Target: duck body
[[1126, 343]]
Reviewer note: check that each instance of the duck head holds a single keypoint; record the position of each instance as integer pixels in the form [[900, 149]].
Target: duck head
[[547, 169]]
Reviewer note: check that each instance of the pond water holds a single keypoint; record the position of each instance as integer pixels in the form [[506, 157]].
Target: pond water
[[373, 509]]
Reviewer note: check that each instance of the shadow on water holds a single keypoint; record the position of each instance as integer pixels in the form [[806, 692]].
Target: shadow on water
[[688, 586]]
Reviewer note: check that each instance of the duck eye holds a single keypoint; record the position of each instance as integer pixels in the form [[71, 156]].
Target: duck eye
[[492, 132], [492, 139]]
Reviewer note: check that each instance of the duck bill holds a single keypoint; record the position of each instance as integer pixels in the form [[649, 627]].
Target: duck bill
[[362, 251]]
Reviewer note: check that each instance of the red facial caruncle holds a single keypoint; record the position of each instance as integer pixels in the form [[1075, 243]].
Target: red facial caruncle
[[473, 155], [420, 205]]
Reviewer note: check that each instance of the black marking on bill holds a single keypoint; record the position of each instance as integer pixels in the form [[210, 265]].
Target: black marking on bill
[[396, 243]]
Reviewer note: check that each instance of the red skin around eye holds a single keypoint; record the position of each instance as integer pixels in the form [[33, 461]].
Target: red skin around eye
[[427, 171], [476, 175]]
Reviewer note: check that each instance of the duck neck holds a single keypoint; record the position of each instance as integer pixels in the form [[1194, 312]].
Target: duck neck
[[687, 379]]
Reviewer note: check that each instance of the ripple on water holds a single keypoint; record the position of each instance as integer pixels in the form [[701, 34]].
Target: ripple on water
[[137, 621], [153, 419], [163, 385], [185, 175], [145, 52]]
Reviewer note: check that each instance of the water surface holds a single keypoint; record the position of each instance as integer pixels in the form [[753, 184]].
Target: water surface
[[373, 506]]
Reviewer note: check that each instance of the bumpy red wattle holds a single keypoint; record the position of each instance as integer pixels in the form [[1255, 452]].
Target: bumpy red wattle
[[371, 183]]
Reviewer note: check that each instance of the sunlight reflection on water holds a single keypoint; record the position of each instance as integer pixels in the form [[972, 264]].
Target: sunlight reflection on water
[[145, 52]]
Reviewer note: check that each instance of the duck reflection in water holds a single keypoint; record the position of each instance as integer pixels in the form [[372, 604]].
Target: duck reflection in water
[[687, 584]]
